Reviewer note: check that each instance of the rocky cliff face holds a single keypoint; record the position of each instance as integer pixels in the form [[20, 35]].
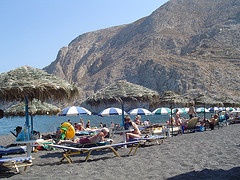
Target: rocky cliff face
[[189, 46]]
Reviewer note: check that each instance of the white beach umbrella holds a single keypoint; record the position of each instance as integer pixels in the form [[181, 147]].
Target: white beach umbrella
[[74, 111], [229, 109], [186, 109], [180, 110], [222, 108], [139, 111], [162, 111], [111, 112], [202, 110], [214, 109]]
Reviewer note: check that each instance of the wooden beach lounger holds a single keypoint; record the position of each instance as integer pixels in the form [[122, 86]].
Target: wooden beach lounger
[[16, 162], [69, 151]]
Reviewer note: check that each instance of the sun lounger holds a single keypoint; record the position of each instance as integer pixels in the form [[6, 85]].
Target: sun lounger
[[12, 150], [69, 151], [88, 145], [16, 162], [150, 139]]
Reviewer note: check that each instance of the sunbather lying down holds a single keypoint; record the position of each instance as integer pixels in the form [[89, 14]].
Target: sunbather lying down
[[99, 137]]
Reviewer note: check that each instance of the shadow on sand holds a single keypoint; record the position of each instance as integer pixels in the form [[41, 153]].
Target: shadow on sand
[[232, 174]]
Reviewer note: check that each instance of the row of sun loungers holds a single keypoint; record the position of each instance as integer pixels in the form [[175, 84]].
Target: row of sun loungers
[[16, 162]]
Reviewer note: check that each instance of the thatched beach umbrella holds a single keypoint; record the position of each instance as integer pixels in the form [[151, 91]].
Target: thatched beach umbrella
[[35, 84], [122, 92], [26, 83], [173, 98], [35, 107], [229, 102], [206, 100]]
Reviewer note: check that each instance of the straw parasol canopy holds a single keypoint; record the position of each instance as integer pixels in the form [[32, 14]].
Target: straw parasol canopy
[[123, 91], [229, 102], [35, 108], [206, 100], [173, 98], [34, 83]]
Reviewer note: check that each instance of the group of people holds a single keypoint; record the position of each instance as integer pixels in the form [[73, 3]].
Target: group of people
[[178, 121], [134, 132], [132, 126]]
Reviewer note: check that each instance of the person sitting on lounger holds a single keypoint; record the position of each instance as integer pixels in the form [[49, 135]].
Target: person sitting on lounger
[[99, 137], [129, 124]]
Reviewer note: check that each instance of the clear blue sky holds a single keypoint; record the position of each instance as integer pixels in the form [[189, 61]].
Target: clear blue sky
[[33, 31]]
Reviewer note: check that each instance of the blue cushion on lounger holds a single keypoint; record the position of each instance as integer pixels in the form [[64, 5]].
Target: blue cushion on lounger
[[12, 150]]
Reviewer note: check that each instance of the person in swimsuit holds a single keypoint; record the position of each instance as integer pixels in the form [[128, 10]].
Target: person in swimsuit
[[129, 124], [191, 112], [177, 118], [99, 137]]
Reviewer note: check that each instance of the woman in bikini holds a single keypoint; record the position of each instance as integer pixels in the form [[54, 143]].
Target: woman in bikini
[[129, 124]]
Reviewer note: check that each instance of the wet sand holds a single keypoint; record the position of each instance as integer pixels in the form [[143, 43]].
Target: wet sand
[[200, 155]]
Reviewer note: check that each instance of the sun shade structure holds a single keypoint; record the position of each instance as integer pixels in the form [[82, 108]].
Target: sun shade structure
[[27, 83], [162, 111], [35, 107], [206, 100], [139, 111], [111, 112], [123, 92], [173, 98], [35, 84], [228, 101], [74, 111]]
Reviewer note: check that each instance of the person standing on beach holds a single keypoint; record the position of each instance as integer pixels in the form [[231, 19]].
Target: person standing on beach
[[177, 118], [191, 112]]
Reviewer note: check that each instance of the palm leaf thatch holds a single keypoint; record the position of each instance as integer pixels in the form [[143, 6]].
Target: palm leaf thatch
[[174, 98], [229, 102], [34, 83], [206, 100], [123, 91], [35, 108]]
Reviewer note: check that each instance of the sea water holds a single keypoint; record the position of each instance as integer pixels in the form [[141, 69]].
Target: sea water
[[50, 123]]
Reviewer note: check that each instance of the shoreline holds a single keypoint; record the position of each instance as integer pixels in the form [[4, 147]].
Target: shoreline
[[201, 155]]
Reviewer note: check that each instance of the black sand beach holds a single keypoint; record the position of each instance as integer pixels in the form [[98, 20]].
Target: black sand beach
[[201, 155]]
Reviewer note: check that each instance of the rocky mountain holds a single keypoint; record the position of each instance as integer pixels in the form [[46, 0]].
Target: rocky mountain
[[188, 46]]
